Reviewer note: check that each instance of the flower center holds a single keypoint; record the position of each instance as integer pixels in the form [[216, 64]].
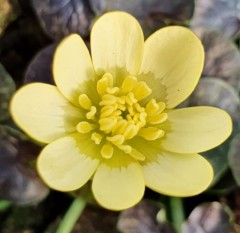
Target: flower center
[[120, 116]]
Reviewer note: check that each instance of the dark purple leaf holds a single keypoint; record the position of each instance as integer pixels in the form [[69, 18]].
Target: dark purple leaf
[[209, 218], [7, 88], [221, 15], [234, 158], [222, 57], [142, 218], [19, 182], [218, 93], [40, 68], [63, 17]]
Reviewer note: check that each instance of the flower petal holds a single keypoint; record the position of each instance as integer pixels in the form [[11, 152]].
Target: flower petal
[[175, 56], [196, 129], [43, 113], [118, 182], [64, 166], [178, 174], [117, 44], [72, 66]]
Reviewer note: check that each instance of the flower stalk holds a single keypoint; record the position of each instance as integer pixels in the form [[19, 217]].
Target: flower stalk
[[71, 216], [177, 212]]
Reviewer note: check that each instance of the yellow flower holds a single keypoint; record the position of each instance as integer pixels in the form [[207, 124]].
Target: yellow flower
[[110, 118]]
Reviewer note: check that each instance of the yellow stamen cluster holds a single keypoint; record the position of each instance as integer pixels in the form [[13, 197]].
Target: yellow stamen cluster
[[120, 116]]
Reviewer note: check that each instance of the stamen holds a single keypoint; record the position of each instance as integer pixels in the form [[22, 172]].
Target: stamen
[[130, 131], [161, 106], [106, 124], [107, 151], [128, 84], [121, 100], [85, 102], [141, 90], [132, 98], [116, 113], [107, 111], [108, 99], [126, 148], [151, 133], [142, 119], [121, 107], [92, 113], [105, 82], [131, 110], [116, 140], [122, 126], [138, 107], [113, 90], [153, 107], [85, 127], [137, 155], [119, 125], [157, 119], [97, 138]]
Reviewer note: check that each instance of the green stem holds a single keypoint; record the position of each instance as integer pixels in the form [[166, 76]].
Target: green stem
[[177, 212], [71, 216]]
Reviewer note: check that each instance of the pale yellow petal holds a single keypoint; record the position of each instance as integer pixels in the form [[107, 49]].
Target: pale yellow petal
[[118, 182], [174, 56], [64, 166], [196, 129], [117, 44], [72, 66], [177, 174], [43, 113]]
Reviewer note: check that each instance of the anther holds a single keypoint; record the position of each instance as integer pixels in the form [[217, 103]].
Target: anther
[[128, 84], [126, 148], [105, 82], [97, 138], [107, 124], [157, 119], [112, 90], [116, 140], [106, 111], [130, 131], [108, 99], [107, 151], [85, 127], [137, 155], [141, 90], [153, 107], [91, 114], [121, 123], [85, 102], [151, 133]]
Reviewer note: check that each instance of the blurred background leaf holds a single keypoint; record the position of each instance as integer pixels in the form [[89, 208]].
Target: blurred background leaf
[[234, 158], [59, 18], [216, 92], [19, 182], [222, 57], [7, 88], [220, 15], [210, 218], [40, 68], [142, 218]]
